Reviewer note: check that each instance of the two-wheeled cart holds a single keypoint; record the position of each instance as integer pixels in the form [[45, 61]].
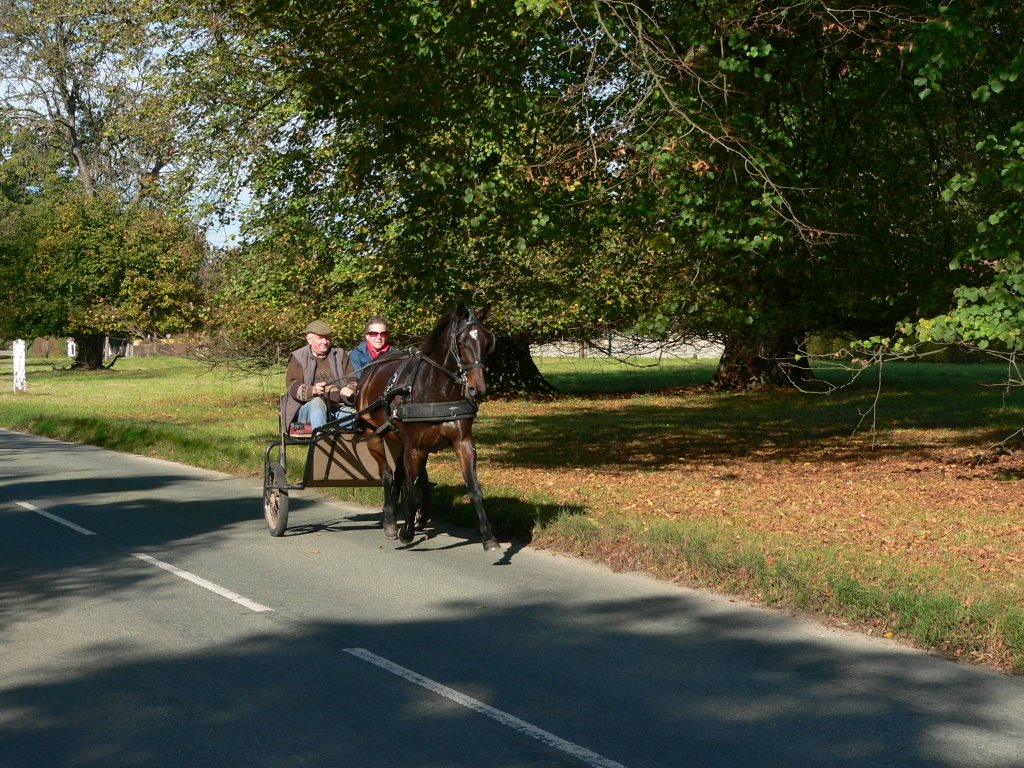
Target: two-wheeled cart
[[336, 456]]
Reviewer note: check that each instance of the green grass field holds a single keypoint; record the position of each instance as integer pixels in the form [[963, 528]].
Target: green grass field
[[893, 516]]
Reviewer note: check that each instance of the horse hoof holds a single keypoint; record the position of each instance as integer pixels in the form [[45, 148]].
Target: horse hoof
[[405, 536], [492, 546], [390, 532]]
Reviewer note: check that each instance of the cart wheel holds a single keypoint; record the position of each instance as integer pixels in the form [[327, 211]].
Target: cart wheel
[[275, 498]]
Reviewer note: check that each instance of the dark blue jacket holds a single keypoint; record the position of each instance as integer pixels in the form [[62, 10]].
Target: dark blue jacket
[[359, 357]]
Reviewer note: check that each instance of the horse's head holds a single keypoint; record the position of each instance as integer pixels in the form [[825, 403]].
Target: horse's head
[[471, 344]]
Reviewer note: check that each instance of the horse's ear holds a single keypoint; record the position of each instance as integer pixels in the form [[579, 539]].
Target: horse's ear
[[482, 314]]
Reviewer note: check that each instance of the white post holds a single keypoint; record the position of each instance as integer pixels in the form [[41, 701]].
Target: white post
[[20, 384], [72, 348]]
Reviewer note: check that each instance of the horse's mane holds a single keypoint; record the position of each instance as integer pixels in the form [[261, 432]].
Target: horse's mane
[[439, 335]]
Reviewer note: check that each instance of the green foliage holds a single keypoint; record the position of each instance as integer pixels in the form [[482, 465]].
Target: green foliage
[[396, 165], [794, 173], [85, 266], [581, 166], [980, 57], [97, 243], [83, 76]]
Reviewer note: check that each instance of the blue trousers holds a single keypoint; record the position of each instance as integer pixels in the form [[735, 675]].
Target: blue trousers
[[315, 412]]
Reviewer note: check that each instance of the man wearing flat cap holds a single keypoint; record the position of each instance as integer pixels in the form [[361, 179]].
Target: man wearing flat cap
[[320, 380]]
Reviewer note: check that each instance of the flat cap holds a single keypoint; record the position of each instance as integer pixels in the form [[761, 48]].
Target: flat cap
[[319, 327]]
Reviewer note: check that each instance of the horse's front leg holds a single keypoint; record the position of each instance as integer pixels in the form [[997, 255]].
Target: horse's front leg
[[465, 449]]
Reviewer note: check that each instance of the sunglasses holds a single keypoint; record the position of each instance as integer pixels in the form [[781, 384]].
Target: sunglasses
[[376, 333]]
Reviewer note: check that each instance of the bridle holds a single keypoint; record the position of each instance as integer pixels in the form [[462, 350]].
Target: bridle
[[456, 351]]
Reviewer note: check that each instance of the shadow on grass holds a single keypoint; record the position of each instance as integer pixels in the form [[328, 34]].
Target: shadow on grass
[[920, 410], [510, 517]]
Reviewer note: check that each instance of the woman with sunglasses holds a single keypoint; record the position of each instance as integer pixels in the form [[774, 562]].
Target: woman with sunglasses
[[373, 346]]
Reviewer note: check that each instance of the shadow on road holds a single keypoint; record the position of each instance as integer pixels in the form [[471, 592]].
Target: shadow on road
[[658, 678]]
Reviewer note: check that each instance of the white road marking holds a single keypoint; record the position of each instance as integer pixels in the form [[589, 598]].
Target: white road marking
[[575, 750], [234, 597], [200, 581], [568, 747], [55, 518]]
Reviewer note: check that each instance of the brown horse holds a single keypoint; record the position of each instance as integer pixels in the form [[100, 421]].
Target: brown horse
[[426, 399]]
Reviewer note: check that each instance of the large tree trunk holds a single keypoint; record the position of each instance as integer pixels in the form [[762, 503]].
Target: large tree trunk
[[758, 362], [90, 351], [511, 371]]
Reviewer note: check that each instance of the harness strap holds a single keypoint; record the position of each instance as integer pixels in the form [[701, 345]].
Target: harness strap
[[417, 412], [451, 411], [455, 379], [392, 389]]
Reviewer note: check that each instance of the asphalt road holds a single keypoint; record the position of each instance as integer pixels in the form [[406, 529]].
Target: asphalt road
[[148, 619]]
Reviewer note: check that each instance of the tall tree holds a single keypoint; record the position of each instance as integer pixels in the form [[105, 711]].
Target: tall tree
[[385, 166], [750, 172], [82, 73], [83, 78], [93, 267], [786, 161]]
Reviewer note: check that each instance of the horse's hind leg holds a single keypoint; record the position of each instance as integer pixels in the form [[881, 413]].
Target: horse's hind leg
[[414, 462], [423, 508], [411, 499], [387, 481], [390, 480]]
